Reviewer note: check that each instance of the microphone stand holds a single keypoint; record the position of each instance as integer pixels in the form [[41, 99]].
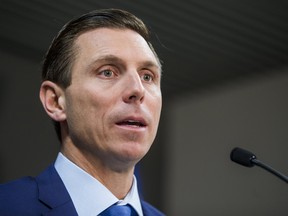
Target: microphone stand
[[270, 169]]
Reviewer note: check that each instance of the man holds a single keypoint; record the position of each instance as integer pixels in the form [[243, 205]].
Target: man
[[101, 87]]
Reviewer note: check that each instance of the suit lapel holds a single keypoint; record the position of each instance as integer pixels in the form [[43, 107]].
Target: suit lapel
[[53, 194]]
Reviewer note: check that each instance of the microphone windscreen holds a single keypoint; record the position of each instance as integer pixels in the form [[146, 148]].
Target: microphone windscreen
[[242, 157]]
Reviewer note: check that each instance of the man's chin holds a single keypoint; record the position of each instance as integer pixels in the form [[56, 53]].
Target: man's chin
[[130, 156]]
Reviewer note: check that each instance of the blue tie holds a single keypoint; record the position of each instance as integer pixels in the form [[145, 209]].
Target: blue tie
[[119, 210]]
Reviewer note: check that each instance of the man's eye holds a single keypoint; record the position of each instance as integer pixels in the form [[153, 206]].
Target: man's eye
[[147, 77], [107, 73]]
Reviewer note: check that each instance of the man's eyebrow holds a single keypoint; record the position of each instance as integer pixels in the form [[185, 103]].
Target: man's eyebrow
[[106, 59], [151, 64]]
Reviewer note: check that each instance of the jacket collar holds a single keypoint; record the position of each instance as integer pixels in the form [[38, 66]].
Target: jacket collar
[[53, 194]]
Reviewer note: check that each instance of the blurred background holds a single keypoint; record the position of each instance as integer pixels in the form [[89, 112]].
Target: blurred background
[[225, 84]]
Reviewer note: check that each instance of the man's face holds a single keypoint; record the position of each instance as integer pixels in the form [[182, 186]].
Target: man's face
[[114, 102]]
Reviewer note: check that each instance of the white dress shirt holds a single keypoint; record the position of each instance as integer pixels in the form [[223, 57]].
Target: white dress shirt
[[89, 196]]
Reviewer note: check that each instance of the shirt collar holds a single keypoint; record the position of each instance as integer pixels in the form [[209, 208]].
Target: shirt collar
[[89, 196]]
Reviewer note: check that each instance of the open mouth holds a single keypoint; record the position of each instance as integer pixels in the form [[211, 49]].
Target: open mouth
[[132, 123]]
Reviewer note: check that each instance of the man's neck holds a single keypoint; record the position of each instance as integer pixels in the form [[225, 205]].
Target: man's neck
[[117, 180]]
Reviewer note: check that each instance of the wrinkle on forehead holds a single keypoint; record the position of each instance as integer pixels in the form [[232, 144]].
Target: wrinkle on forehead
[[98, 39]]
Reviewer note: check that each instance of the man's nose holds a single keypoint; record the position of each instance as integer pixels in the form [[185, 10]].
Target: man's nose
[[134, 90]]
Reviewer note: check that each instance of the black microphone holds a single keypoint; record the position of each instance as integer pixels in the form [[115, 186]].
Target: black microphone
[[248, 159]]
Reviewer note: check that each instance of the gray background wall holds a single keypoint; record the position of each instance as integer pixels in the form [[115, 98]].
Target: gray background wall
[[203, 129], [28, 142]]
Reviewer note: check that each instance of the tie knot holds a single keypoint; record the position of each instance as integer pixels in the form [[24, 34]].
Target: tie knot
[[119, 210]]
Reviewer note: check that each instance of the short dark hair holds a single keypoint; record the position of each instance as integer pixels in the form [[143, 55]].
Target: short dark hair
[[61, 54]]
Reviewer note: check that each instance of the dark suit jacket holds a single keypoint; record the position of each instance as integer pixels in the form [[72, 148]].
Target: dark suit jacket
[[44, 195]]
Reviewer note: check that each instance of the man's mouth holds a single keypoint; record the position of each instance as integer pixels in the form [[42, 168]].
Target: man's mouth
[[132, 123]]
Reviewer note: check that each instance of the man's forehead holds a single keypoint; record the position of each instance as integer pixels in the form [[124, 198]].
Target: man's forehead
[[105, 42], [102, 31]]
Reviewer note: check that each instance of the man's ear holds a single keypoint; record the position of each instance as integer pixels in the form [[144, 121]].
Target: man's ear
[[53, 100]]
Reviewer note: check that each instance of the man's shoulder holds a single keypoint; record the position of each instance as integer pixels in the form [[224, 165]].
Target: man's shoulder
[[31, 196], [25, 188], [23, 185], [149, 210], [18, 197], [22, 196]]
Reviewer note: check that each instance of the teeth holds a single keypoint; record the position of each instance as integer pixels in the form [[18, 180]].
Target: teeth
[[131, 122]]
